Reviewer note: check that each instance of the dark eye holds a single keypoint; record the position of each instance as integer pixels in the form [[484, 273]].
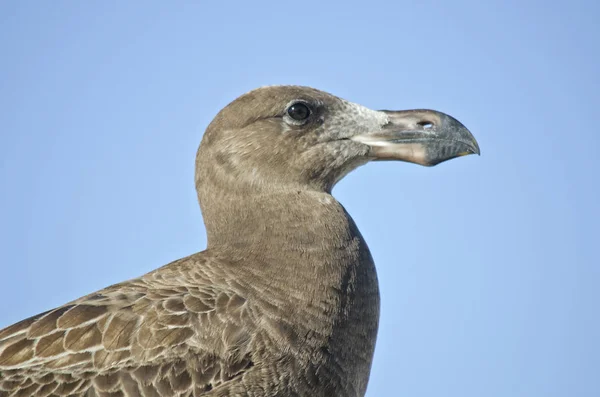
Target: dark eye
[[298, 111]]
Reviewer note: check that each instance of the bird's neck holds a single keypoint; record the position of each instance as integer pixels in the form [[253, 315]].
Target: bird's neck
[[300, 222], [302, 235]]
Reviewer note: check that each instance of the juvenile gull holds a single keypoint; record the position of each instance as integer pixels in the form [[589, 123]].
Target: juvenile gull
[[283, 302]]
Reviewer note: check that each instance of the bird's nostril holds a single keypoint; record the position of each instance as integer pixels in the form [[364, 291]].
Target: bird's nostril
[[426, 124]]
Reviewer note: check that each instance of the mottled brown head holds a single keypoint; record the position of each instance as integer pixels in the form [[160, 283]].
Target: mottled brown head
[[289, 136], [282, 137]]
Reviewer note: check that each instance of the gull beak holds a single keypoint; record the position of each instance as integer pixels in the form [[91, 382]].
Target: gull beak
[[424, 137]]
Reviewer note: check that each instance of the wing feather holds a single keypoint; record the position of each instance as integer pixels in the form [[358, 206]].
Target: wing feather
[[168, 333]]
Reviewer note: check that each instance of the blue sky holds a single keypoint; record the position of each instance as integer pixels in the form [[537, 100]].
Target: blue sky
[[488, 265]]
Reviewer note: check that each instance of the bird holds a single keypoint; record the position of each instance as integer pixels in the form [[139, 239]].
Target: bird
[[284, 300]]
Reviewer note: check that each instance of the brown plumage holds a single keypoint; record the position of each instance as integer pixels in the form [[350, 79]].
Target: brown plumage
[[283, 302]]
